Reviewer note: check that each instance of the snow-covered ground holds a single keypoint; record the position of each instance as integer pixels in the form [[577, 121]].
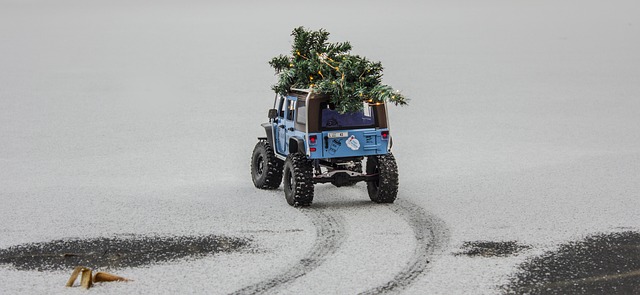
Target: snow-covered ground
[[139, 117]]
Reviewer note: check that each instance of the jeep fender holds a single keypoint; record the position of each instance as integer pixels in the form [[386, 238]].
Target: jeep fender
[[268, 128], [296, 145]]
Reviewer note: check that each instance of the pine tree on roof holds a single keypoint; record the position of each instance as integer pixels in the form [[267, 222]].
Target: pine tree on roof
[[329, 68]]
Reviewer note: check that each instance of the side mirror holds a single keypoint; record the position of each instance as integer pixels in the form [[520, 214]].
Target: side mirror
[[273, 113]]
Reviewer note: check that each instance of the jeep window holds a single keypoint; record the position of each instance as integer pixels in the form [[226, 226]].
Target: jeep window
[[301, 113], [290, 108], [331, 119], [281, 107]]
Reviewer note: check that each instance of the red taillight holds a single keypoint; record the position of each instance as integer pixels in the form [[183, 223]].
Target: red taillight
[[313, 139], [312, 149], [385, 134]]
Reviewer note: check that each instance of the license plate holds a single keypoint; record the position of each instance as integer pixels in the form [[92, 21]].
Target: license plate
[[338, 134]]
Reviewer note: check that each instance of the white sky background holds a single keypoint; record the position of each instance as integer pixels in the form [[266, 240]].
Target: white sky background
[[572, 62], [524, 120]]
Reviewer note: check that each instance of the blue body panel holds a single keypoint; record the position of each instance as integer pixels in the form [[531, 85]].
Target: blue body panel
[[352, 143], [328, 144]]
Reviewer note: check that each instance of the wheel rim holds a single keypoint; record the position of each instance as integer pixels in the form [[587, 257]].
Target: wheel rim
[[291, 180], [259, 164], [377, 171]]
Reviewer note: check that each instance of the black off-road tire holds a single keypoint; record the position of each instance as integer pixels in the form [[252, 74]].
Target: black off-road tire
[[385, 190], [298, 180], [266, 169]]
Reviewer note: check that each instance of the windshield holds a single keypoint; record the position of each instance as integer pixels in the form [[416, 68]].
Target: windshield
[[332, 119]]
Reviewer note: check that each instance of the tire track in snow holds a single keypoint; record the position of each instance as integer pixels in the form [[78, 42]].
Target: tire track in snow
[[330, 234], [432, 236]]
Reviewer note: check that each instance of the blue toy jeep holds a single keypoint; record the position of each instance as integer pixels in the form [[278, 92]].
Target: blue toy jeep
[[308, 141]]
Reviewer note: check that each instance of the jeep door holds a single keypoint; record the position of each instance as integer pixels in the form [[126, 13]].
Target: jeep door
[[285, 124]]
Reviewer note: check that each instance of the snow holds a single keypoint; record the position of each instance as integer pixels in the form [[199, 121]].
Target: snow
[[132, 117]]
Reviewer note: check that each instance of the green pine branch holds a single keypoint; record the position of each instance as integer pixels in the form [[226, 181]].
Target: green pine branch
[[329, 68]]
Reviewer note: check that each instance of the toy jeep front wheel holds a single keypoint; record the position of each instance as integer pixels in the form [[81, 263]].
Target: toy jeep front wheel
[[266, 169], [385, 188], [298, 180]]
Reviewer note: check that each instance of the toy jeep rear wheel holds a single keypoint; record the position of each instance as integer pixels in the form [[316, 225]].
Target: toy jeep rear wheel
[[266, 169], [298, 180], [385, 189]]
